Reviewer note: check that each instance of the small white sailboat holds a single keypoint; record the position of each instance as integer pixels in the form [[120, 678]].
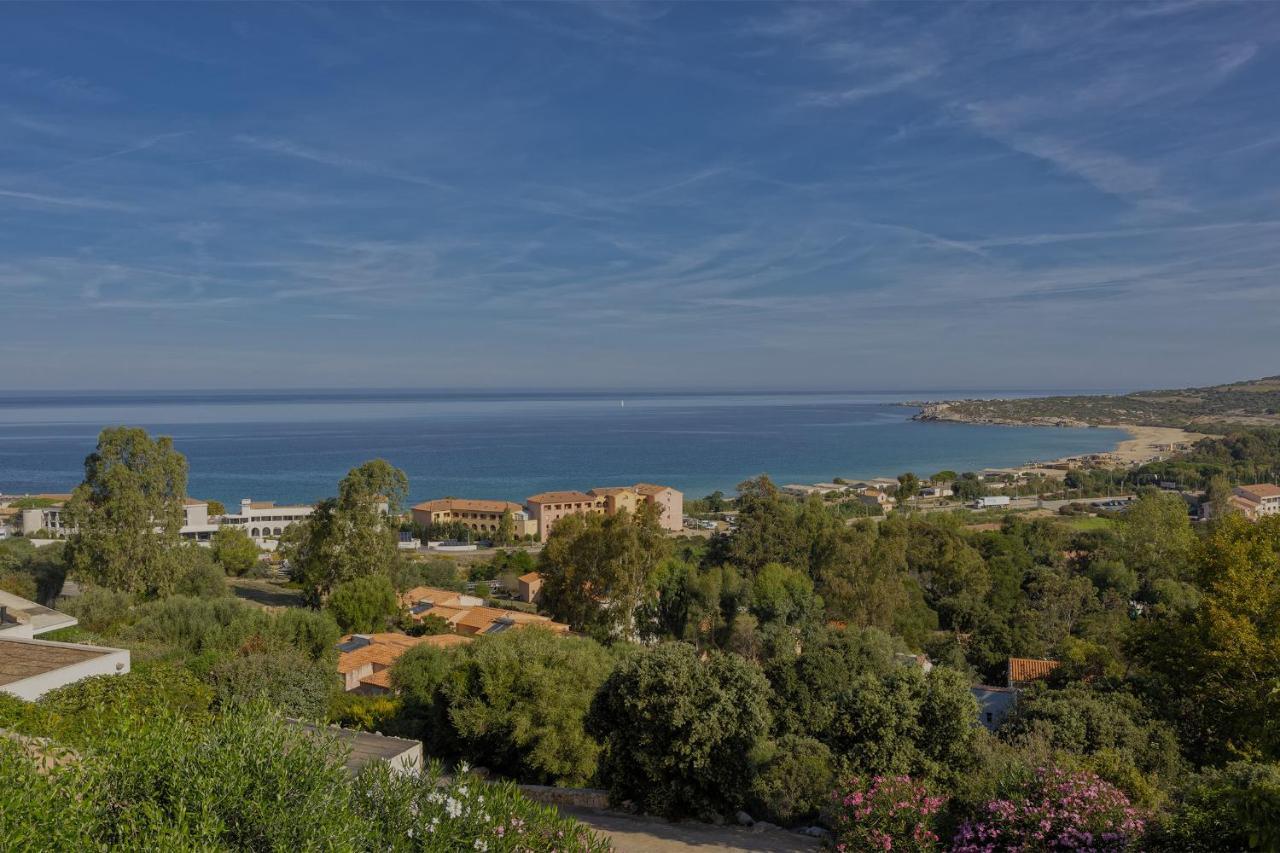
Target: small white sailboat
[[622, 404]]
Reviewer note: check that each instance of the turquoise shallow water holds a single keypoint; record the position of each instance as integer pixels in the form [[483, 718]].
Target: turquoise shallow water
[[295, 447]]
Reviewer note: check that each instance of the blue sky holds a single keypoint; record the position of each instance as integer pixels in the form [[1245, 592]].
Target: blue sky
[[914, 195]]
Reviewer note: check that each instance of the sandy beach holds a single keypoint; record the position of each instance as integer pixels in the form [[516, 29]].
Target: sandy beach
[[1147, 443]]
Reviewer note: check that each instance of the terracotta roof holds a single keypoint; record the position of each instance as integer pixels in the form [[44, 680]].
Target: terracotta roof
[[612, 490], [1030, 669], [560, 497], [531, 577], [434, 595], [651, 489], [381, 678], [193, 502], [262, 504], [384, 649], [446, 504], [1262, 490]]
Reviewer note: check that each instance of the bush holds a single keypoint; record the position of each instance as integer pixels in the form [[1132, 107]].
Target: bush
[[1058, 810], [794, 782], [1233, 808], [517, 702], [234, 550], [365, 713], [886, 813], [201, 577], [680, 732], [78, 710], [287, 680], [248, 781], [363, 605], [100, 610]]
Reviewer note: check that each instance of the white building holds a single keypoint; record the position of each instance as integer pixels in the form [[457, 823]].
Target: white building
[[29, 668], [264, 519]]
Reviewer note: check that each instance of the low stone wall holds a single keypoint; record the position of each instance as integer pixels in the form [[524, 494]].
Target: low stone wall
[[584, 798]]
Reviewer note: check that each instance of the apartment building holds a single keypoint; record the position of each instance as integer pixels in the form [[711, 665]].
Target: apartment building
[[29, 668], [1257, 501], [547, 508], [264, 519], [481, 516]]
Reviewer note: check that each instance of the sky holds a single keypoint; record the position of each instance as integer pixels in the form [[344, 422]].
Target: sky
[[639, 195]]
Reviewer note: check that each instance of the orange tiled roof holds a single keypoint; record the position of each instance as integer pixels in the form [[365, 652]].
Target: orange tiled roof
[[381, 678], [435, 595], [651, 489], [1030, 669], [467, 505], [560, 497], [612, 490], [531, 577], [384, 649]]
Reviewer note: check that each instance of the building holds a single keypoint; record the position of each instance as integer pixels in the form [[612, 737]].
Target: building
[[51, 516], [264, 520], [404, 757], [26, 619], [546, 508], [30, 668], [196, 524], [364, 660], [468, 615], [872, 496], [1023, 671], [994, 704], [481, 516], [528, 586], [1257, 501]]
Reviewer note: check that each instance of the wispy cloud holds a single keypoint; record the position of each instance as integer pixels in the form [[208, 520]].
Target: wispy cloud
[[287, 148], [77, 202]]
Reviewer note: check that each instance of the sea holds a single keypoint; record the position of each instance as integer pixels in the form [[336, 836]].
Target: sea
[[295, 446]]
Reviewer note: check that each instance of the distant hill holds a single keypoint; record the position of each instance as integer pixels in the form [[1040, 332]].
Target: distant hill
[[1255, 402]]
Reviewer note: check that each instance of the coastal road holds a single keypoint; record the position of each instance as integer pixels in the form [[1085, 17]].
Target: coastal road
[[1031, 502]]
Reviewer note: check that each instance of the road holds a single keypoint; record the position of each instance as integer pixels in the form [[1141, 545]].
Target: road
[[633, 834], [1031, 502]]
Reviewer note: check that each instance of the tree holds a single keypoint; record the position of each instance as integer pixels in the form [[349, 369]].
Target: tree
[[680, 731], [128, 511], [199, 576], [363, 605], [286, 679], [347, 536], [596, 570], [517, 701], [967, 487], [908, 487], [1155, 537], [1215, 671], [1218, 497], [217, 508], [506, 529], [234, 550], [945, 476]]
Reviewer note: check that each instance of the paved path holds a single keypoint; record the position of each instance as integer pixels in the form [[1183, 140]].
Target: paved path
[[632, 834]]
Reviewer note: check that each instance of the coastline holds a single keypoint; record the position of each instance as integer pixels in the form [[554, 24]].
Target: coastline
[[1145, 443]]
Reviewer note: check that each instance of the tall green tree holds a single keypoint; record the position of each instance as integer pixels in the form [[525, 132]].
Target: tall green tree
[[506, 533], [908, 487], [348, 536], [596, 571], [128, 511], [681, 731], [363, 604]]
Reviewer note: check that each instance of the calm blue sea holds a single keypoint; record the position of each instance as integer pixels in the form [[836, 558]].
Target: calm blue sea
[[296, 446]]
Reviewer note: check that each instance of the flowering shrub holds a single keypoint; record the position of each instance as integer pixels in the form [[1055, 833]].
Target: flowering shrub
[[888, 813], [1059, 810]]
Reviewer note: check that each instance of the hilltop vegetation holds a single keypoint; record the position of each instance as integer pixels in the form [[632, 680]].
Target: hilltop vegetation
[[1254, 402]]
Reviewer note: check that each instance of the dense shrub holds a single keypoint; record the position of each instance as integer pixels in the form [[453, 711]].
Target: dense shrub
[[88, 705], [794, 781], [248, 781], [234, 550], [99, 610], [200, 577], [680, 731], [286, 679], [365, 713], [363, 605], [517, 703], [1236, 807], [885, 813], [1058, 810]]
